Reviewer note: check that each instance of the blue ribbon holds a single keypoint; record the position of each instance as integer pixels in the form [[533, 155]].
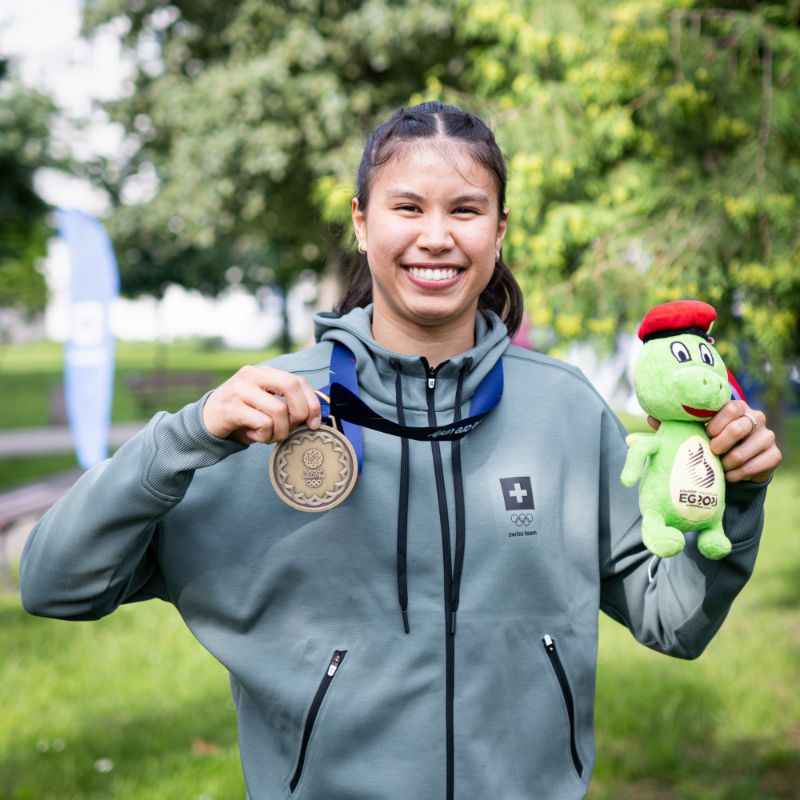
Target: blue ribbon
[[340, 400]]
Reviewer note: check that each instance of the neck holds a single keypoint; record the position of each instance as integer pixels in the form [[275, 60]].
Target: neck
[[436, 343]]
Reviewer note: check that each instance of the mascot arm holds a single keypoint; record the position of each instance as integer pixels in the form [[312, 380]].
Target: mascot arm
[[642, 446]]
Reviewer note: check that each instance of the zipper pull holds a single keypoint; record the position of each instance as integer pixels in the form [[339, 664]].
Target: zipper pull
[[334, 665], [549, 644], [431, 383]]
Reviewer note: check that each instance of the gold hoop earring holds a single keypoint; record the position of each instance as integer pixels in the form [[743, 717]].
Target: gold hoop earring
[[362, 248], [497, 257]]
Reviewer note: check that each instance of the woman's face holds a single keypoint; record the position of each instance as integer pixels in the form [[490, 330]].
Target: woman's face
[[432, 233]]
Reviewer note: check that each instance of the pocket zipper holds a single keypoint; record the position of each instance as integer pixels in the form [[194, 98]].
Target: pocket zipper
[[336, 660], [561, 676]]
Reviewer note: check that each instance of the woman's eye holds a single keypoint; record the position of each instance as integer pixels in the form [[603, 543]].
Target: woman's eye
[[706, 355], [407, 207], [465, 211], [680, 351]]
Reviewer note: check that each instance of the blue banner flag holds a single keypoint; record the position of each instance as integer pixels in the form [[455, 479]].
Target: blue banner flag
[[89, 350]]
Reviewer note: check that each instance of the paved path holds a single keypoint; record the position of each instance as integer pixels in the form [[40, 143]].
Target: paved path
[[55, 439]]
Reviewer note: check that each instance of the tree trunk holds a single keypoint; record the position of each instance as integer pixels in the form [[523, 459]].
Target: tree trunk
[[286, 335]]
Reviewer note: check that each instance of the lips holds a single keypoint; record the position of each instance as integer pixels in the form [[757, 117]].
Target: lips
[[702, 413]]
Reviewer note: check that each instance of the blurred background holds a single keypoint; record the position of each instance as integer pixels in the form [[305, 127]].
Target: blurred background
[[211, 148]]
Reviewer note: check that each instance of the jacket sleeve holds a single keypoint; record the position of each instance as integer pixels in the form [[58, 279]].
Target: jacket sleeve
[[95, 548], [674, 605]]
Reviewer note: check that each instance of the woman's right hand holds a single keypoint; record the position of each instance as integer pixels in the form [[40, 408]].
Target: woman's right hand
[[261, 404]]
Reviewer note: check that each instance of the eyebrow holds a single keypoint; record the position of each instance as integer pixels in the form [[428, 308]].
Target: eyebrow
[[472, 197]]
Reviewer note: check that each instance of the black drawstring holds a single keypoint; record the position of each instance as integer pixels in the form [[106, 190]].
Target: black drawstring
[[402, 510], [458, 483]]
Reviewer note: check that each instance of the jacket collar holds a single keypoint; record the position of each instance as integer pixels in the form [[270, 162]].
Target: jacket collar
[[376, 373]]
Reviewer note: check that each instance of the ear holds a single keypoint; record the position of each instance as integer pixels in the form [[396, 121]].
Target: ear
[[359, 220], [502, 227]]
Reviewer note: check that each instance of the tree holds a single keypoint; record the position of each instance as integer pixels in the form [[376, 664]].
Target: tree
[[238, 110], [24, 143], [653, 155]]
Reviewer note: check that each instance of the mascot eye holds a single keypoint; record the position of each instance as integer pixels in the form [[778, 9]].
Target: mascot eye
[[705, 354], [680, 351]]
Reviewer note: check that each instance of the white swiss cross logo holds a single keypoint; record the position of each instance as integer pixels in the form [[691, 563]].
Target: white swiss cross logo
[[517, 493]]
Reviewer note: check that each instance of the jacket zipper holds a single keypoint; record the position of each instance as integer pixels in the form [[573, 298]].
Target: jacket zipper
[[561, 675], [448, 585], [336, 660]]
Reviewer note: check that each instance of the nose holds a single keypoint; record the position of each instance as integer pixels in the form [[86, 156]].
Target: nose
[[435, 235]]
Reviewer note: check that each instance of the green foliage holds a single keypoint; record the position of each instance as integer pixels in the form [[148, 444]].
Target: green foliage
[[653, 155], [651, 147], [238, 109], [24, 141]]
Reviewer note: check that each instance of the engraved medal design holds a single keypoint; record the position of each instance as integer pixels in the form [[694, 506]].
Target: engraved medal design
[[314, 470]]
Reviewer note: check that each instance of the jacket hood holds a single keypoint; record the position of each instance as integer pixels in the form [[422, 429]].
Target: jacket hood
[[378, 366]]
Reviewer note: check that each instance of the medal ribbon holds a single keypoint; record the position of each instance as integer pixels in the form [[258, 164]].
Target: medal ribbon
[[340, 400]]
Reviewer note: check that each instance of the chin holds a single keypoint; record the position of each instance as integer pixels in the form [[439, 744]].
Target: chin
[[432, 316]]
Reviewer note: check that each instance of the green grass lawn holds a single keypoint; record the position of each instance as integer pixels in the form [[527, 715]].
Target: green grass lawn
[[127, 707], [23, 469]]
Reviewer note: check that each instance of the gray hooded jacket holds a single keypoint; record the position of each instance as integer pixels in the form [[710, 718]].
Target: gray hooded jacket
[[435, 635]]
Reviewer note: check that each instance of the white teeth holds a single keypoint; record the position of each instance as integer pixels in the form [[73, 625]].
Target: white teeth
[[427, 274]]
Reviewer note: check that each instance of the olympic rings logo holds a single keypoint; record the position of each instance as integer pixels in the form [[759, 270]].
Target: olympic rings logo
[[522, 519]]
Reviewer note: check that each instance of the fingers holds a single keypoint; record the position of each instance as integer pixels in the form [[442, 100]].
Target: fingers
[[732, 413], [261, 404], [748, 451]]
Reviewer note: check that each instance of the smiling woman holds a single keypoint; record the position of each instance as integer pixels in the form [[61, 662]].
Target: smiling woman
[[433, 633], [432, 182]]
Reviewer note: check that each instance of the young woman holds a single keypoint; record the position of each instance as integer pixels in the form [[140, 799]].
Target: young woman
[[433, 635]]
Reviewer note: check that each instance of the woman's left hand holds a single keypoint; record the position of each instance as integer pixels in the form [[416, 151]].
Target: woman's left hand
[[740, 437], [746, 446]]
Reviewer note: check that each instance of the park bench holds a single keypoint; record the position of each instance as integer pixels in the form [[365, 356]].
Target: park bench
[[33, 498], [168, 391]]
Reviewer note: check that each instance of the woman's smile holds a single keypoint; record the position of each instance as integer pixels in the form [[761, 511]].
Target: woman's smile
[[435, 276]]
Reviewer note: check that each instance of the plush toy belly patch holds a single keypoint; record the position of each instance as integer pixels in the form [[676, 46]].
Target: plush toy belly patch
[[681, 381], [696, 482]]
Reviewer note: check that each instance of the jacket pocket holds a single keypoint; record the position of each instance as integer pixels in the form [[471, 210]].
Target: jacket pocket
[[311, 718], [563, 682]]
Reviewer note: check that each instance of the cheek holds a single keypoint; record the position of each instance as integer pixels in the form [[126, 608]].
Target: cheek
[[388, 240], [482, 246], [483, 237]]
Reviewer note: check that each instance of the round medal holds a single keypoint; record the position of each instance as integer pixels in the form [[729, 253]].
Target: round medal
[[314, 470]]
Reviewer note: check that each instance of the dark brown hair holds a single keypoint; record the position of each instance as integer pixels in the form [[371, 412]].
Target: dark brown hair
[[427, 121]]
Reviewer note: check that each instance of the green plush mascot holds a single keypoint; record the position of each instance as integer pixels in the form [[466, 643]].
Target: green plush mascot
[[681, 381]]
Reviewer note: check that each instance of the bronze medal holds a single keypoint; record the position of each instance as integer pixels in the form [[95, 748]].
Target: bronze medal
[[314, 470]]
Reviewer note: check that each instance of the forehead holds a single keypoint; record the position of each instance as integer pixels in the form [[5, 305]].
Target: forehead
[[441, 166]]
